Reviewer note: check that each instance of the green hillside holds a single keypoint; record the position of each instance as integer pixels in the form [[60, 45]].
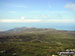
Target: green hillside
[[35, 42]]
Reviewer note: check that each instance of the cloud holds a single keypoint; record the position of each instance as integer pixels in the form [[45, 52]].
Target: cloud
[[44, 16], [70, 6], [20, 6], [16, 5], [22, 17], [20, 20], [12, 12], [37, 21], [60, 21]]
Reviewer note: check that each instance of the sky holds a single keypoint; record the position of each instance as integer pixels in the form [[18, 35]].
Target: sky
[[58, 14]]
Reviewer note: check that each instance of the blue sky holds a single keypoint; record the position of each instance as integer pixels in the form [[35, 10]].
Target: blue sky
[[59, 14]]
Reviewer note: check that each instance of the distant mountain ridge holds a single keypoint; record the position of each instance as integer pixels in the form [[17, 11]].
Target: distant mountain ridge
[[24, 30], [29, 28]]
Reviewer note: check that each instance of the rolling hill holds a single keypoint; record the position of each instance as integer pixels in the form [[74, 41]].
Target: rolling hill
[[35, 41]]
